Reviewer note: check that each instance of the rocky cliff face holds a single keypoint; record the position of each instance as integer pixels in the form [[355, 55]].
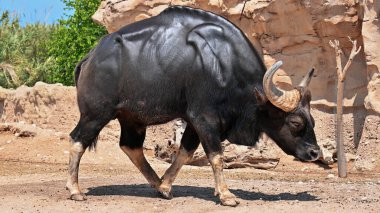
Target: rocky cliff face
[[371, 38], [297, 32]]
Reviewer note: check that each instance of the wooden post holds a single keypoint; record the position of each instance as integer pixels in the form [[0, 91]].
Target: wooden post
[[342, 161]]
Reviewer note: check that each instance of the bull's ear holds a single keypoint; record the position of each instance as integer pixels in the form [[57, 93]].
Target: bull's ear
[[260, 97], [306, 97]]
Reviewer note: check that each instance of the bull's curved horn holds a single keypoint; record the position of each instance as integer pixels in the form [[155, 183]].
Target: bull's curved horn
[[285, 100], [306, 80]]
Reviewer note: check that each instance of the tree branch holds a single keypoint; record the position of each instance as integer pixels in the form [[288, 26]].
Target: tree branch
[[353, 53], [338, 53]]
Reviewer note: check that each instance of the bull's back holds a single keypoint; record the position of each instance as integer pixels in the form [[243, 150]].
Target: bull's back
[[159, 67]]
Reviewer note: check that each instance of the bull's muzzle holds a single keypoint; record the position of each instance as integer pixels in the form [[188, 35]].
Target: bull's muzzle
[[314, 153]]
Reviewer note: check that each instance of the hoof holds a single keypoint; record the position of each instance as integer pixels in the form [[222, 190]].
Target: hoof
[[78, 197], [229, 200], [165, 193]]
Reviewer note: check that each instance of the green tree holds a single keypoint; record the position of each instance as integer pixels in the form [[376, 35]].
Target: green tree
[[76, 35]]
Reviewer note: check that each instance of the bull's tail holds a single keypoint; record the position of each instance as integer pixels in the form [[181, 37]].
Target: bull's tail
[[78, 67], [77, 70]]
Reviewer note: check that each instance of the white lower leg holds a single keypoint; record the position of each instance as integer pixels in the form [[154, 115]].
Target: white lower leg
[[221, 189], [76, 152]]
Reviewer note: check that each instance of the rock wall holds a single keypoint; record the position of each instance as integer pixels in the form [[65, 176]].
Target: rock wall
[[50, 106], [297, 32], [369, 148], [371, 38]]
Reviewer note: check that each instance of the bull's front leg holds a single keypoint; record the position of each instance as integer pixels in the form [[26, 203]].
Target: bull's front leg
[[208, 129], [221, 188]]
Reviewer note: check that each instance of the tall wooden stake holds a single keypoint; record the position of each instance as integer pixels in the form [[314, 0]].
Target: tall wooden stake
[[342, 161]]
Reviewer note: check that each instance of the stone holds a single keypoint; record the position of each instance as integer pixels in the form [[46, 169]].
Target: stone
[[328, 149]]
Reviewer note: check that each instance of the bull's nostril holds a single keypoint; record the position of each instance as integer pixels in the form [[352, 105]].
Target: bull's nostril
[[314, 153]]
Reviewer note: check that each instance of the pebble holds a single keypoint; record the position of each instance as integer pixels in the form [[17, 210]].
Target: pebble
[[60, 135], [330, 176]]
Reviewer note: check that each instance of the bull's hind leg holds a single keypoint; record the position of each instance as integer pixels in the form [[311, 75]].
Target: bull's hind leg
[[189, 144], [76, 152], [83, 136], [131, 142]]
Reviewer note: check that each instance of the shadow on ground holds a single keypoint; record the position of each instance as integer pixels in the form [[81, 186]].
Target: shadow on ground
[[206, 193]]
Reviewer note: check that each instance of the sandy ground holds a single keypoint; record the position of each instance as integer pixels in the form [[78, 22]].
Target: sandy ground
[[33, 176]]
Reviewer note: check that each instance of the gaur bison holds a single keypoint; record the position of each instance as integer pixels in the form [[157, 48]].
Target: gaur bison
[[191, 64]]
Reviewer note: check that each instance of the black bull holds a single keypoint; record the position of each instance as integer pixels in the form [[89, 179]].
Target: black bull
[[190, 64]]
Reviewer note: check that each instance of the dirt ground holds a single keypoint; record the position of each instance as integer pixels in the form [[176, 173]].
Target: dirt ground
[[33, 176]]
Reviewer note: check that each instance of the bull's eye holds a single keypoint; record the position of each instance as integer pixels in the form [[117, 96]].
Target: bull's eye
[[295, 123]]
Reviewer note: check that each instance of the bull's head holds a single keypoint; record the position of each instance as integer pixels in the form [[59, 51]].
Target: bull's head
[[285, 116]]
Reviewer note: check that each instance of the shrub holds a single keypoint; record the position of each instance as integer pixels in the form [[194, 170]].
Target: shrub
[[49, 53], [24, 55]]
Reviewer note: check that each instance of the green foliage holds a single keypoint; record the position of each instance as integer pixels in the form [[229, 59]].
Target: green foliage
[[23, 52], [74, 38], [49, 53]]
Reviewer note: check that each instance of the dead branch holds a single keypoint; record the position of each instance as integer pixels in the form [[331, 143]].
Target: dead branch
[[338, 53], [242, 10], [341, 73], [7, 68], [354, 52]]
